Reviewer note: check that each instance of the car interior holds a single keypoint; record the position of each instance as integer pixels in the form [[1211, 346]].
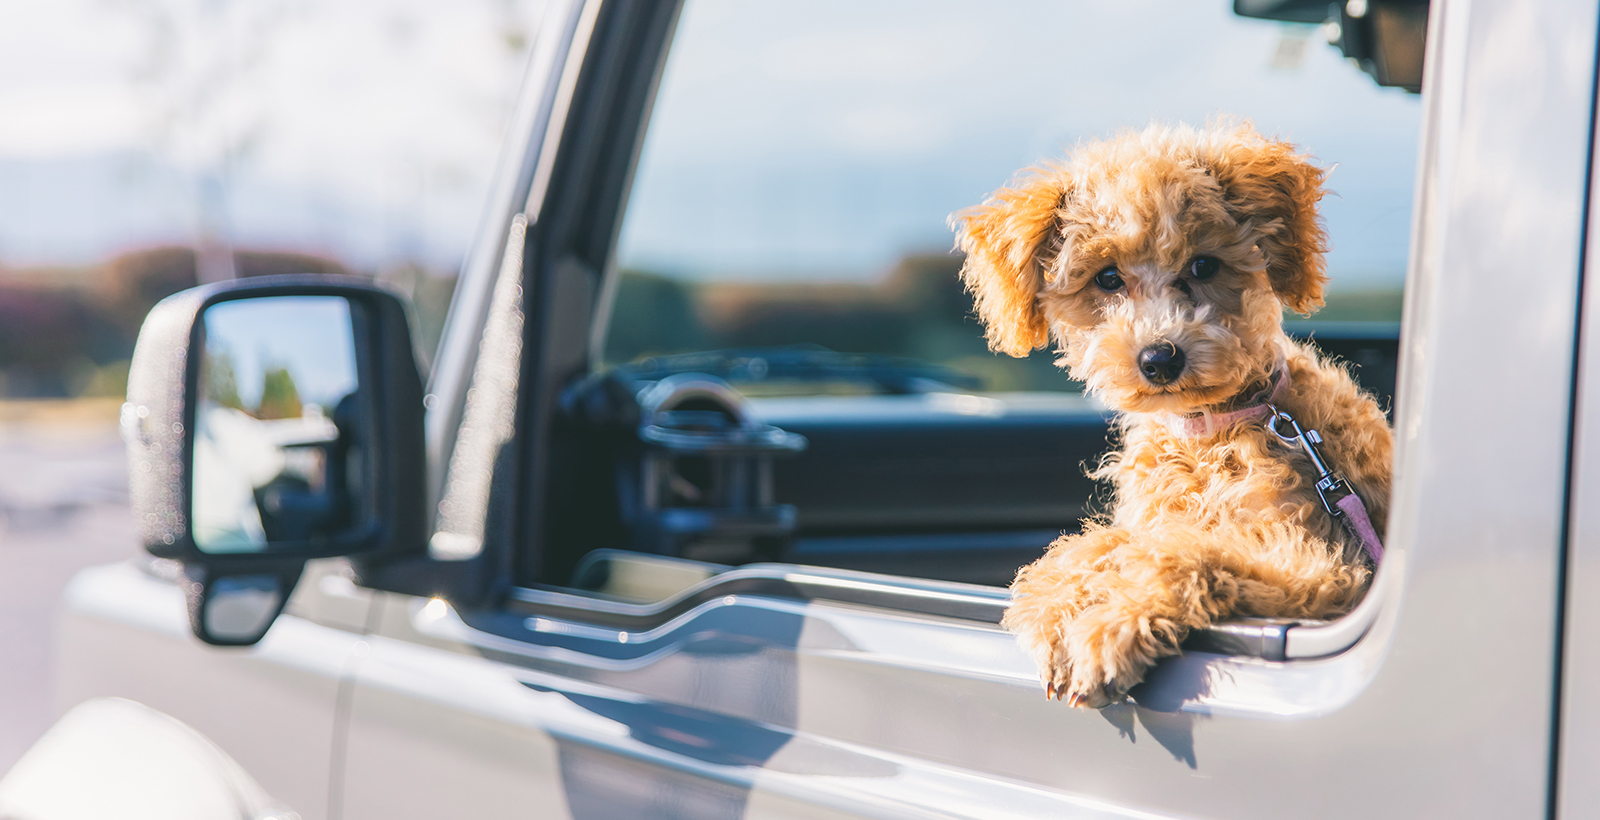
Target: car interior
[[799, 380]]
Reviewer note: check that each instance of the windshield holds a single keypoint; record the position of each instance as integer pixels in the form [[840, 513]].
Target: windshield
[[803, 160]]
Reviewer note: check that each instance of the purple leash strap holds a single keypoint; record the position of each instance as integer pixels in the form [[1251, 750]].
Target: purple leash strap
[[1356, 518], [1338, 497]]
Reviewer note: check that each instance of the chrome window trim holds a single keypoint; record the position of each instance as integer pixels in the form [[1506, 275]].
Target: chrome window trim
[[965, 602], [1273, 639], [1321, 640]]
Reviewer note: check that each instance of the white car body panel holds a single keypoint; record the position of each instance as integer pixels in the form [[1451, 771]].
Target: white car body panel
[[271, 707], [751, 705]]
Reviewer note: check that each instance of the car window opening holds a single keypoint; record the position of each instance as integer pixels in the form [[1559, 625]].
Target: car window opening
[[786, 248]]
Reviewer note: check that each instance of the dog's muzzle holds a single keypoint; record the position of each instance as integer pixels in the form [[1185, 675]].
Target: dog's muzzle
[[1161, 363]]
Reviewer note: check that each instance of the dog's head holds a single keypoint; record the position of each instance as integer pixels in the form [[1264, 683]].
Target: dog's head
[[1160, 262]]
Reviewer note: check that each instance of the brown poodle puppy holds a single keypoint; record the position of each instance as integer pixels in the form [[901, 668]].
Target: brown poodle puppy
[[1160, 263]]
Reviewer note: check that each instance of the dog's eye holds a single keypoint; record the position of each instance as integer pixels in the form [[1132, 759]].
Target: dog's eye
[[1108, 280], [1204, 267]]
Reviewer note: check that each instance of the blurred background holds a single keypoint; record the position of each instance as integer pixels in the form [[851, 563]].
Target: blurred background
[[150, 145], [803, 161], [793, 190]]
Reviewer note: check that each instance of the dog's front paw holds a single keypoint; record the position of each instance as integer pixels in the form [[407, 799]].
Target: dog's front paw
[[1081, 684], [1060, 614], [1090, 659], [1091, 699], [1067, 672]]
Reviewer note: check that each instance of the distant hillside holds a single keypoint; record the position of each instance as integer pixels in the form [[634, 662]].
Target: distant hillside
[[70, 331], [918, 309]]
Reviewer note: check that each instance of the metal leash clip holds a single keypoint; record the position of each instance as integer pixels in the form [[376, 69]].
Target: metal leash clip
[[1331, 486]]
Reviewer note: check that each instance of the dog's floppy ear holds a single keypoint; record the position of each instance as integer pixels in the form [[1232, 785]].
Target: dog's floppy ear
[[1003, 239], [1273, 190]]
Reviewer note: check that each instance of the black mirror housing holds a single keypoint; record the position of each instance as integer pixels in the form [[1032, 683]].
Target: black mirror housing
[[369, 458], [238, 608], [1386, 38]]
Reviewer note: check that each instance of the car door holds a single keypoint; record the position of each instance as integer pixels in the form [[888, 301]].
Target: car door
[[778, 690], [274, 708]]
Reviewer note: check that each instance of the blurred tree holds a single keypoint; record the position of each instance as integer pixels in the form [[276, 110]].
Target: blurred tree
[[280, 399], [130, 284], [64, 331], [919, 310], [277, 263], [861, 325], [51, 339], [945, 328], [652, 315]]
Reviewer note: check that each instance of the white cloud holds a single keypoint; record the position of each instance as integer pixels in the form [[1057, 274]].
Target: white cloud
[[364, 128], [49, 121], [60, 87], [888, 129], [906, 52]]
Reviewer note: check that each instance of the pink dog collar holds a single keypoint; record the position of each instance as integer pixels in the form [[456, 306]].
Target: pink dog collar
[[1203, 424]]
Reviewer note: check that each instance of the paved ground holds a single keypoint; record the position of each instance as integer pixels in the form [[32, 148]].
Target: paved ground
[[63, 506]]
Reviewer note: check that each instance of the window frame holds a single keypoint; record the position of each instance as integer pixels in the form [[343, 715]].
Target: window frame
[[595, 112]]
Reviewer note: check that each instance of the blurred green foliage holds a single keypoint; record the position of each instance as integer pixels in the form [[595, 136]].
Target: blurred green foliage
[[918, 310], [70, 332], [280, 399], [67, 332]]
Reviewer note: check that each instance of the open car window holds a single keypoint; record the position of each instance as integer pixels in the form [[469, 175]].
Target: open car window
[[784, 268], [802, 162]]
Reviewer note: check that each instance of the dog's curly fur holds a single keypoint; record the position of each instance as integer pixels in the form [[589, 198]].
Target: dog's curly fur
[[1200, 528]]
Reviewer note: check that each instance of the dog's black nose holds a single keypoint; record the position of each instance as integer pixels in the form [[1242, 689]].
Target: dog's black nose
[[1161, 363]]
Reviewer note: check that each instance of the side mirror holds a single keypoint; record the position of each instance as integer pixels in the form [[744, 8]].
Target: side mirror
[[271, 421], [1386, 38]]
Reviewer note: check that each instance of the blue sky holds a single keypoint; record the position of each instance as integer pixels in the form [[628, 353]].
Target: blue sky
[[360, 129], [819, 140], [309, 335], [823, 140]]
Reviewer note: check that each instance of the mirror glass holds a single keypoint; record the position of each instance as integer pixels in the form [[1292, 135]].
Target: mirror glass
[[239, 608], [274, 422]]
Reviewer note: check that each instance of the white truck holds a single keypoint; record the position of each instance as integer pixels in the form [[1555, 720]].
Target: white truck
[[549, 585]]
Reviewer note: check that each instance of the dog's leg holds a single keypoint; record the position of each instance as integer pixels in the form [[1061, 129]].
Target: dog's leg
[[1102, 606], [1051, 596]]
